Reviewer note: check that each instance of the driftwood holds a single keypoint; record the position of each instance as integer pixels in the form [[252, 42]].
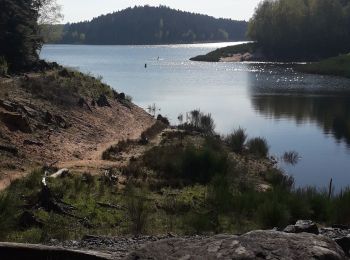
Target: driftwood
[[50, 203], [59, 173]]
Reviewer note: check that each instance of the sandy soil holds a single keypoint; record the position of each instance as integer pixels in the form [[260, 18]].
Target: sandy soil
[[78, 146]]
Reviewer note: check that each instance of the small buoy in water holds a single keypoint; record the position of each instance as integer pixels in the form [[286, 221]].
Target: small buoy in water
[[145, 65]]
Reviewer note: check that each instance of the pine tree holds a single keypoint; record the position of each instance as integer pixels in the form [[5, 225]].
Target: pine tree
[[19, 33]]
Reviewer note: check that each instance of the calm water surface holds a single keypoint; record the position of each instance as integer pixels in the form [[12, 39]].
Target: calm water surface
[[294, 111]]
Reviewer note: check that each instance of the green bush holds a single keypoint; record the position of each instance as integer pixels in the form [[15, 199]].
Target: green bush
[[341, 209], [219, 194], [189, 164], [138, 209], [199, 122], [272, 213], [197, 223], [258, 147], [3, 66], [8, 210], [236, 140], [276, 177]]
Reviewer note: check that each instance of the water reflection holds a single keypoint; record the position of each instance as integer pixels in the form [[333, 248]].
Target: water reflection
[[332, 114]]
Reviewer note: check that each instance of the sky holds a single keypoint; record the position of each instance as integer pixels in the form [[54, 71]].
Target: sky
[[81, 10]]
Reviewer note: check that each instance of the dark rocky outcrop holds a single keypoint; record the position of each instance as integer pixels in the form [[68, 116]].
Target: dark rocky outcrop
[[15, 121], [8, 148], [301, 226], [103, 101], [253, 245], [32, 142], [338, 233], [341, 235]]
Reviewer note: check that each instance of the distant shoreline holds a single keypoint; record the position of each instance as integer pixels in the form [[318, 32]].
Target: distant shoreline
[[161, 44]]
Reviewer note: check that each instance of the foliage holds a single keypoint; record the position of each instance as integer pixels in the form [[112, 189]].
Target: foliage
[[153, 25], [236, 140], [258, 147], [66, 86], [19, 37], [187, 164], [138, 209], [115, 149], [301, 29], [337, 66], [3, 66], [50, 12], [200, 122]]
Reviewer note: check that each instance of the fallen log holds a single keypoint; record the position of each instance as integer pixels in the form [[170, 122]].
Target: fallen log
[[111, 206]]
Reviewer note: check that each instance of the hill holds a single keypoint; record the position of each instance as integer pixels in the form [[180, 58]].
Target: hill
[[153, 25], [61, 116]]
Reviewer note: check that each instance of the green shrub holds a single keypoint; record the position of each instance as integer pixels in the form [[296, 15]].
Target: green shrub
[[272, 213], [277, 178], [128, 98], [219, 194], [236, 140], [189, 164], [8, 210], [114, 150], [197, 223], [3, 66], [258, 147], [341, 209], [199, 122], [138, 209]]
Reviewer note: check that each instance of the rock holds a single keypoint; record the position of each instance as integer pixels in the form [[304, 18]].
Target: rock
[[344, 243], [122, 96], [340, 235], [103, 101], [81, 102], [48, 117], [32, 142], [9, 106], [61, 122], [9, 148], [16, 121], [253, 245], [29, 111], [301, 226]]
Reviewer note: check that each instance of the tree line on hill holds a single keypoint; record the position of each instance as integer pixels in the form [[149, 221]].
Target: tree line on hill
[[302, 28], [153, 25]]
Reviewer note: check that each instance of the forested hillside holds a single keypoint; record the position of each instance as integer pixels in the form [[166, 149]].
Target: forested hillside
[[306, 29], [153, 25]]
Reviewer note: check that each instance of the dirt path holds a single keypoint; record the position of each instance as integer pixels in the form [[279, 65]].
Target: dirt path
[[96, 165]]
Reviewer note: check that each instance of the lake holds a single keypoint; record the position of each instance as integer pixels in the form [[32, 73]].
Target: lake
[[309, 114]]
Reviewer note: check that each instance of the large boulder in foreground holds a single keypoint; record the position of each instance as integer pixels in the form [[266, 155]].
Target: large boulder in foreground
[[253, 245]]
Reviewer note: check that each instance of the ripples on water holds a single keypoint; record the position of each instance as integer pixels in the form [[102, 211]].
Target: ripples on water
[[306, 113]]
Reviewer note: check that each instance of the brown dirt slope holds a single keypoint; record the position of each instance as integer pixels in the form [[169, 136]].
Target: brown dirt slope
[[60, 116]]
